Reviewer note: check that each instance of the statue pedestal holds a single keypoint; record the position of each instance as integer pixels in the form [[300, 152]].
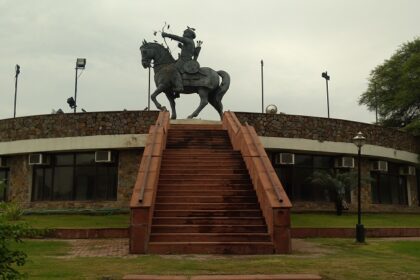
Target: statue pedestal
[[195, 121]]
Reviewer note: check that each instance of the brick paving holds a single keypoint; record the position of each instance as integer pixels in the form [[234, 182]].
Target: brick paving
[[98, 248]]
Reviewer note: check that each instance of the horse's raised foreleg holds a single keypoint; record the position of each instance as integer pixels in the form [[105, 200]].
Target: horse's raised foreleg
[[204, 94], [158, 90], [171, 99]]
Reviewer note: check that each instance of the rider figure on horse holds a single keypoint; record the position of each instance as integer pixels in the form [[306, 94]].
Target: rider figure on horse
[[188, 53]]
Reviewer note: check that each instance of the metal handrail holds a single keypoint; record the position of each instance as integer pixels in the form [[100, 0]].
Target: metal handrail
[[272, 181], [149, 158]]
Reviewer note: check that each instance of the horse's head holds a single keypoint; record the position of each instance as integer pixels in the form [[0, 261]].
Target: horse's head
[[156, 52], [147, 54]]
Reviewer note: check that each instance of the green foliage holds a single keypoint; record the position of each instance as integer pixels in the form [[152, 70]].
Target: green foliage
[[339, 183], [11, 211], [10, 234], [394, 89]]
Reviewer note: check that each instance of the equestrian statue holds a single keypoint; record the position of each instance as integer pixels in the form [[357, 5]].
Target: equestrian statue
[[184, 75]]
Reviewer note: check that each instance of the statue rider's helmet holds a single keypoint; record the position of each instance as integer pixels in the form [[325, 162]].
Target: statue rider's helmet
[[189, 33]]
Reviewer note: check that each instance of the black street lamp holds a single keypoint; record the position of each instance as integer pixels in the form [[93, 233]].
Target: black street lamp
[[359, 140], [17, 72], [327, 78], [80, 64]]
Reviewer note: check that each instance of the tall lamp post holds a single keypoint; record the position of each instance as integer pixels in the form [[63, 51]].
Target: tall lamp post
[[80, 64], [17, 72], [327, 78], [359, 140], [262, 86]]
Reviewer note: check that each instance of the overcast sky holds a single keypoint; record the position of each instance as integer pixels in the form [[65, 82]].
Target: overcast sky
[[297, 40]]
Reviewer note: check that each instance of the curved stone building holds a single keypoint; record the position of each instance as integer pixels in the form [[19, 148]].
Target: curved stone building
[[90, 160]]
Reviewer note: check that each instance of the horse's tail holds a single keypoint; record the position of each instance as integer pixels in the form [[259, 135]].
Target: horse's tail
[[224, 85], [215, 98]]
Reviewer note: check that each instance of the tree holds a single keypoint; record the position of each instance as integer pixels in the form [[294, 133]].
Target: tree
[[394, 89], [339, 183]]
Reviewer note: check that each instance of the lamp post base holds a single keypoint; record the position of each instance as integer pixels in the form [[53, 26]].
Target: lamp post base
[[360, 233]]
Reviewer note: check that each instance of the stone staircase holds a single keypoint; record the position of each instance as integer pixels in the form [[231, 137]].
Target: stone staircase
[[205, 201]]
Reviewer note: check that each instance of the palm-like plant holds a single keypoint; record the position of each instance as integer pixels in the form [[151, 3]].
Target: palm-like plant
[[339, 183]]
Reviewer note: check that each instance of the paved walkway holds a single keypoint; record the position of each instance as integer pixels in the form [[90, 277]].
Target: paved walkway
[[118, 247], [98, 248]]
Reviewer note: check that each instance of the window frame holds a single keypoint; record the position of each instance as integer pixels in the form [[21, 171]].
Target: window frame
[[111, 188]]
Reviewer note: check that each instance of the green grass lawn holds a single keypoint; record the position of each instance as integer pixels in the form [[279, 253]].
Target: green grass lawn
[[78, 221], [298, 220], [330, 258], [350, 220]]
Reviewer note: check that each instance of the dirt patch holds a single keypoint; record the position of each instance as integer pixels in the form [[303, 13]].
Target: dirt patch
[[303, 247]]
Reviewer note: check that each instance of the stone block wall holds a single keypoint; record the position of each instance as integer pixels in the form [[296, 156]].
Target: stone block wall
[[20, 180], [80, 124], [324, 129]]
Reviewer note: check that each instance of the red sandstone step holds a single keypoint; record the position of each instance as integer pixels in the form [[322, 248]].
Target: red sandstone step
[[198, 133], [200, 181], [208, 228], [206, 199], [204, 151], [208, 213], [204, 136], [199, 140], [200, 192], [195, 147], [205, 171], [203, 165], [210, 237], [203, 186], [209, 221], [203, 177], [207, 206], [212, 127], [211, 248], [202, 157]]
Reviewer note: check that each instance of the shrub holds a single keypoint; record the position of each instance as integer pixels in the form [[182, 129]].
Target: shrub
[[11, 211], [12, 232]]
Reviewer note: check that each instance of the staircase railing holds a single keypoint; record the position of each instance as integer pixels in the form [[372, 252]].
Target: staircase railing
[[272, 197], [144, 192]]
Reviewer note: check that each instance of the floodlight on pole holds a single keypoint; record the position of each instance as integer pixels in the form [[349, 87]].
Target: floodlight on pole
[[359, 140], [327, 78], [80, 64]]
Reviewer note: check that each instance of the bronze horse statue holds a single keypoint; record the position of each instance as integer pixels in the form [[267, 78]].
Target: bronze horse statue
[[205, 81]]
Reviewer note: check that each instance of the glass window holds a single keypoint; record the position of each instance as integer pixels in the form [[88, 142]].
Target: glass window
[[323, 162], [296, 178], [389, 187], [63, 183], [304, 160], [85, 182], [75, 177], [65, 159], [85, 158]]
